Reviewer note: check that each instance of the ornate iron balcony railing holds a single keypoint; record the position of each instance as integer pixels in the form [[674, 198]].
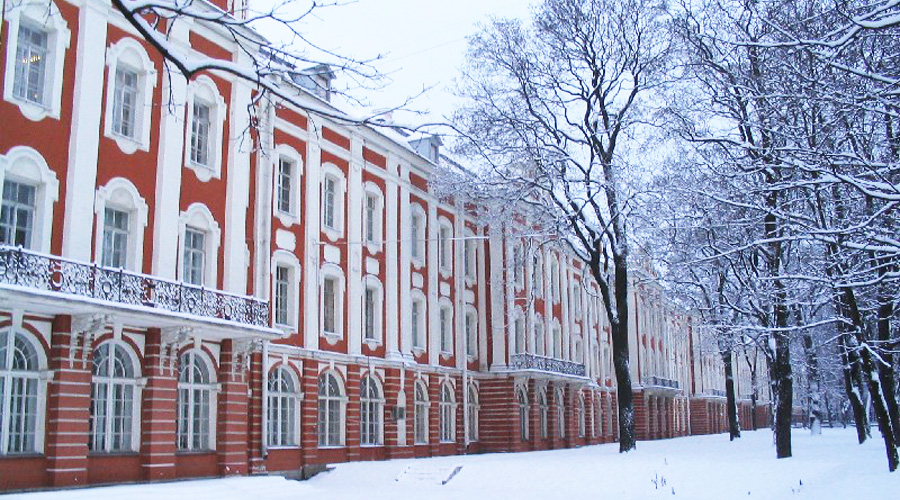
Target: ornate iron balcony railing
[[661, 382], [39, 271], [535, 362]]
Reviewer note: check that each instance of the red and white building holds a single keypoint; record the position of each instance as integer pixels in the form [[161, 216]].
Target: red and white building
[[186, 292]]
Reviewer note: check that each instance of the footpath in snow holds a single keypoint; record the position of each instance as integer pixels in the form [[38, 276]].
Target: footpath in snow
[[830, 466]]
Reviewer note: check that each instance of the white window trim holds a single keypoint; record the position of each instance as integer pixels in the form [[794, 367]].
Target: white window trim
[[24, 164], [213, 388], [517, 316], [425, 406], [288, 219], [470, 257], [372, 190], [379, 413], [205, 88], [119, 193], [296, 397], [45, 15], [445, 305], [332, 271], [42, 375], [198, 217], [517, 265], [135, 382], [417, 213], [342, 399], [473, 410], [471, 343], [442, 405], [417, 296], [373, 283], [540, 341], [129, 50], [331, 171], [446, 269], [289, 260]]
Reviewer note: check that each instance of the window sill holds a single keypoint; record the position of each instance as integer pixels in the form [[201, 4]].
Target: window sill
[[193, 452], [445, 355], [25, 455], [32, 110], [204, 173], [331, 447], [372, 343], [287, 219], [128, 145], [98, 454], [332, 233], [418, 351], [283, 447]]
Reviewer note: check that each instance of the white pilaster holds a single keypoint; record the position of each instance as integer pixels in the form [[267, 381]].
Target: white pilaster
[[391, 271], [237, 197], [405, 264], [354, 248], [498, 305], [433, 268], [313, 250], [81, 177], [169, 164]]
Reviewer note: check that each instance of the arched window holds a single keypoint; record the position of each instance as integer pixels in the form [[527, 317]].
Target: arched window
[[448, 414], [121, 216], [129, 93], [545, 414], [473, 413], [522, 400], [582, 417], [21, 393], [199, 246], [331, 304], [29, 189], [331, 411], [417, 236], [114, 399], [371, 414], [196, 402], [282, 416], [560, 414], [206, 111], [417, 320], [421, 413]]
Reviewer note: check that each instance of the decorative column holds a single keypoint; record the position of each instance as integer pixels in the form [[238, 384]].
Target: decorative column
[[231, 432]]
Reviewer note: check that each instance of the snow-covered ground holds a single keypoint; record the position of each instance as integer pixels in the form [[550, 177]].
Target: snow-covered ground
[[830, 466]]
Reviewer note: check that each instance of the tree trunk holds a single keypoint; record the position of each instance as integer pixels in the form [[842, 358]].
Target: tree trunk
[[624, 394], [734, 427], [783, 389], [853, 386], [816, 415], [886, 363]]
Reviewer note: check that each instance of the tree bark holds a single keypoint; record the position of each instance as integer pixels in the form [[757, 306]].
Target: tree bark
[[815, 386], [734, 427]]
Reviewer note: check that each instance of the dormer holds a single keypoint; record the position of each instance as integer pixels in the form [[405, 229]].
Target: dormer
[[316, 79], [429, 147]]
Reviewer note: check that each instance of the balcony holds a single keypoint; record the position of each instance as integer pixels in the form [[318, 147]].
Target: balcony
[[716, 392], [654, 381], [47, 273], [542, 363]]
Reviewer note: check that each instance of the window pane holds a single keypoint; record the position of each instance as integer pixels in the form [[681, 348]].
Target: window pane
[[282, 295], [200, 128], [370, 314], [124, 110], [328, 305], [115, 238], [194, 256], [17, 213], [328, 203], [285, 186], [31, 63]]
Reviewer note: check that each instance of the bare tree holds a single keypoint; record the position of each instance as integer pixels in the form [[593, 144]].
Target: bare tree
[[551, 108]]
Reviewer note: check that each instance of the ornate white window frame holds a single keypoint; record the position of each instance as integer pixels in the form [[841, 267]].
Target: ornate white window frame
[[370, 282], [129, 53], [121, 194], [332, 272], [283, 151], [26, 165], [372, 191], [419, 220], [198, 217], [332, 172], [45, 16], [289, 260], [203, 88]]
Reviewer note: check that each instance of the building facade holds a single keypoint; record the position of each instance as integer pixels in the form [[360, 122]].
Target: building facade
[[192, 289]]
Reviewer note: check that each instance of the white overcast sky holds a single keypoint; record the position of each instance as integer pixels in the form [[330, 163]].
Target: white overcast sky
[[422, 43]]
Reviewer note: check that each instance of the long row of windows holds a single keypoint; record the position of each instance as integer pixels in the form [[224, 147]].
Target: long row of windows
[[115, 402]]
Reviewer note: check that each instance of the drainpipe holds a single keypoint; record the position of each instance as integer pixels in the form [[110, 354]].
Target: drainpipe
[[264, 381]]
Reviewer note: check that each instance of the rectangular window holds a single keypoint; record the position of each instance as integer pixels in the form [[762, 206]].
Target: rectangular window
[[115, 238], [328, 306], [125, 102], [194, 256], [444, 247], [416, 325], [31, 65], [328, 203], [17, 214], [370, 314], [414, 236], [371, 214], [471, 334], [284, 193], [446, 344], [282, 295], [200, 128], [469, 260], [519, 327]]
